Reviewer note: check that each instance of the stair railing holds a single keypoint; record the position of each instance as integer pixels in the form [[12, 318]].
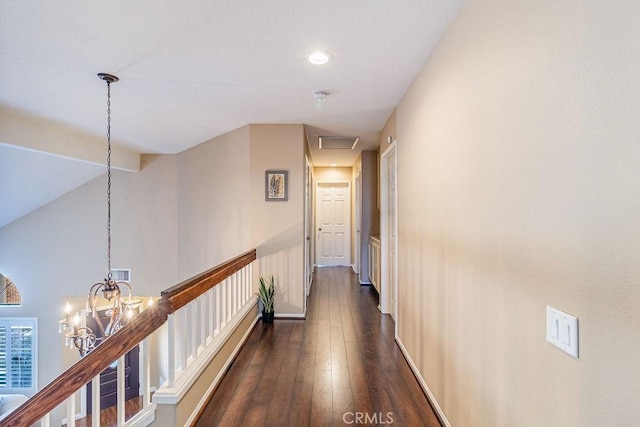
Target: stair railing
[[133, 333]]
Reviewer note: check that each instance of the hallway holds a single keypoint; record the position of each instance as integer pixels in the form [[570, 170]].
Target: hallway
[[340, 366]]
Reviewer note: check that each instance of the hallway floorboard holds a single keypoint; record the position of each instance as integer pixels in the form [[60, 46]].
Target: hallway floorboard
[[340, 366]]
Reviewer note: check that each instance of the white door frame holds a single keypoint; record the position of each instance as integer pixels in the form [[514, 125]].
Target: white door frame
[[385, 279]]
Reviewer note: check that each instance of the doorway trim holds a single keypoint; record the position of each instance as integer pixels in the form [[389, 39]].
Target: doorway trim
[[385, 268], [357, 239]]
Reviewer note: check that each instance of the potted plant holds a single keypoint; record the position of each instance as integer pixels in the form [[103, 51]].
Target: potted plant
[[266, 293]]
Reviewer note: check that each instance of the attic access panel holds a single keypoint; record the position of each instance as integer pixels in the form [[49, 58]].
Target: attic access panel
[[337, 142]]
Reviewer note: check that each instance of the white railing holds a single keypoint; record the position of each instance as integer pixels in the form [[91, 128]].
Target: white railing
[[198, 330], [143, 417], [202, 313], [195, 334]]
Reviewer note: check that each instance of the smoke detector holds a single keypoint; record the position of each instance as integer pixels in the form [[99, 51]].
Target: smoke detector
[[320, 95]]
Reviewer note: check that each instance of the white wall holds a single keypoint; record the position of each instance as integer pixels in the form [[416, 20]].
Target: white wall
[[59, 250], [518, 188]]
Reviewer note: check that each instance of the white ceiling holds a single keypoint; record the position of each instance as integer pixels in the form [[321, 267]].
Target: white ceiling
[[190, 71]]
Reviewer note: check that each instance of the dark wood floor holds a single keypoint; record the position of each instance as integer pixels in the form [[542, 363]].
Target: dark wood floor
[[109, 416], [340, 366]]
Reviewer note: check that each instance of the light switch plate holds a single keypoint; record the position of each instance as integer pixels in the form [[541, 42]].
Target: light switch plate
[[562, 331]]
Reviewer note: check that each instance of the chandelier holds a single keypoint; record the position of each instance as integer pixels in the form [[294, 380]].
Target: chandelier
[[79, 335]]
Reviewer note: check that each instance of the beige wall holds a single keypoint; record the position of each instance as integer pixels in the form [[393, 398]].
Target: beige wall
[[214, 202], [277, 228], [222, 211], [323, 174], [518, 188], [177, 217]]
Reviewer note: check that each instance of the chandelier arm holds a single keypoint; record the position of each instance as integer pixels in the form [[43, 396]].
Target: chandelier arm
[[99, 323], [114, 320], [93, 293], [95, 288]]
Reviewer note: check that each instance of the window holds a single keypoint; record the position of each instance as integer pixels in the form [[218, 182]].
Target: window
[[18, 355], [9, 294]]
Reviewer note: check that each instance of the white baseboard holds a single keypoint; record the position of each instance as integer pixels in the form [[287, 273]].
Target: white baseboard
[[143, 418], [288, 316], [423, 384]]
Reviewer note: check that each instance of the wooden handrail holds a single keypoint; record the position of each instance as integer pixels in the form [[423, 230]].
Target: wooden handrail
[[81, 372], [120, 343], [185, 292]]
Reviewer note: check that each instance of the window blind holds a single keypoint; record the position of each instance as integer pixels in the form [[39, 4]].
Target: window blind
[[17, 355]]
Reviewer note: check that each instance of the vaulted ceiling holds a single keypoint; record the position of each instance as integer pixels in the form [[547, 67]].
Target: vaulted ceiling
[[190, 71]]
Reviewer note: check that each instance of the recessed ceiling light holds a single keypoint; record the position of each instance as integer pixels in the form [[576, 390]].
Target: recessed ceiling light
[[319, 58], [333, 165]]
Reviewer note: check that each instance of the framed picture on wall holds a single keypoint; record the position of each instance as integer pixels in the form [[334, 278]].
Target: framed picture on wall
[[276, 186]]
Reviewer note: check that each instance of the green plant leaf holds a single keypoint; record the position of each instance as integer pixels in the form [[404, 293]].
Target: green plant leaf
[[266, 293]]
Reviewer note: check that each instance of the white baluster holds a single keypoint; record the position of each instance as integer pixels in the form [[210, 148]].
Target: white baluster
[[185, 337], [95, 401], [223, 304], [229, 299], [247, 284], [211, 312], [218, 309], [195, 327], [46, 421], [240, 288], [234, 295], [71, 411], [120, 397], [204, 319], [250, 281], [171, 357], [145, 373]]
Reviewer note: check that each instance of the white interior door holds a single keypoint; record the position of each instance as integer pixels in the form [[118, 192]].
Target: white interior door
[[393, 234], [308, 228], [389, 232], [358, 238], [333, 218]]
